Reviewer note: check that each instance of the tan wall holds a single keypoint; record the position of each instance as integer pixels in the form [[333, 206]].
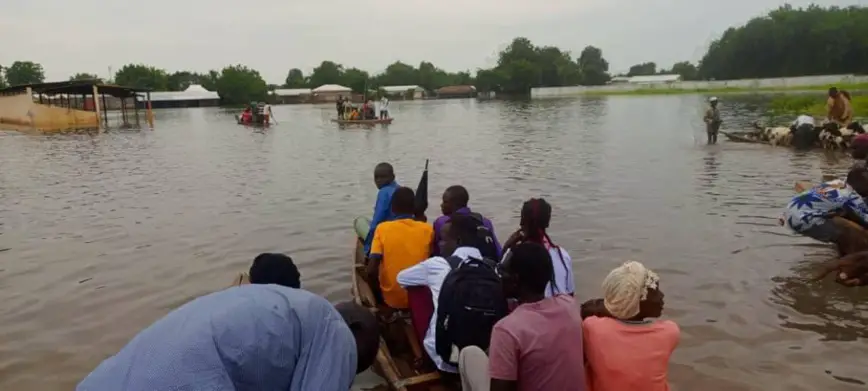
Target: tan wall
[[19, 112]]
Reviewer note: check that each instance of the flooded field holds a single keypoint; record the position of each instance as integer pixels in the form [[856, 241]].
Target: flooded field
[[101, 235]]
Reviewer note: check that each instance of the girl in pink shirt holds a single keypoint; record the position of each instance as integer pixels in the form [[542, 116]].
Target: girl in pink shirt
[[623, 349]]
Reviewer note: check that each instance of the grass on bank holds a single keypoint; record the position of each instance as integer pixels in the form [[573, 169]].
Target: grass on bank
[[730, 90], [813, 105]]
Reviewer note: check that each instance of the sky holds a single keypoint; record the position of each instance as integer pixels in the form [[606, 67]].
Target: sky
[[272, 36]]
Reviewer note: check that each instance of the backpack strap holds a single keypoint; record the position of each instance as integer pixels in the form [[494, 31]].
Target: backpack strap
[[454, 261], [487, 262]]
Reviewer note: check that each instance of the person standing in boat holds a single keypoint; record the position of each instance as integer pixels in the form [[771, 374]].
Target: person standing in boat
[[455, 200], [384, 107], [712, 120], [399, 243], [384, 179], [249, 337], [339, 105]]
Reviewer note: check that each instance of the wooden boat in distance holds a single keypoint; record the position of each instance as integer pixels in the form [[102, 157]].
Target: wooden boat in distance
[[384, 121], [398, 360], [743, 137]]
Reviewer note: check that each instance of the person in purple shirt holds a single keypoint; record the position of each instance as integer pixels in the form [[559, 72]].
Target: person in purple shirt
[[384, 178], [455, 200]]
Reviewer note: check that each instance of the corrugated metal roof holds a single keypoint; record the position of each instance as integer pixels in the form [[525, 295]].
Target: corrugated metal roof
[[332, 88], [655, 78], [193, 92], [401, 88], [456, 90], [292, 91]]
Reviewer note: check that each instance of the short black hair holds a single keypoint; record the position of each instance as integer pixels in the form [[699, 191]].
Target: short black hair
[[274, 268], [532, 264], [404, 201], [471, 232], [536, 214], [833, 91], [386, 167], [459, 194]]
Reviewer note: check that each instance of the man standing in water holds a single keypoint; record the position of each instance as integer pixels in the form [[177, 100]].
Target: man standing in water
[[838, 108], [712, 120], [384, 178]]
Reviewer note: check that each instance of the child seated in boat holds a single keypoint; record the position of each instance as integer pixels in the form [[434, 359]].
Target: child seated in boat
[[247, 115], [354, 115], [811, 212], [397, 245]]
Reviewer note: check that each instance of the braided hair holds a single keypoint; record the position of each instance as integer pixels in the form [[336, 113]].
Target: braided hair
[[536, 214]]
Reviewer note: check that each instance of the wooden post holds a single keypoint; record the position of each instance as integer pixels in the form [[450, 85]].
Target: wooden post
[[150, 114], [96, 108], [29, 92], [105, 111], [136, 108]]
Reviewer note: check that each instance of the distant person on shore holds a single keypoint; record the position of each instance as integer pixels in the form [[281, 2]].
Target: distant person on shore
[[384, 107], [536, 214], [455, 200], [251, 337], [838, 108], [384, 179], [624, 348], [804, 132], [712, 120]]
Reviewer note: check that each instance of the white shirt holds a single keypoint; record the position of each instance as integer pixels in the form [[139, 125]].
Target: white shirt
[[384, 103], [563, 266], [803, 119], [431, 273]]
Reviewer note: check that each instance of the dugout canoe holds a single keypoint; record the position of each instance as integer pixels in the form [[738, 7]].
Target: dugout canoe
[[385, 121]]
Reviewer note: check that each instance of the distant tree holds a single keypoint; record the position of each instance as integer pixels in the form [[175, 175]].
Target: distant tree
[[594, 68], [142, 76], [643, 69], [490, 80], [399, 74], [24, 72], [295, 79], [209, 80], [686, 70], [179, 81], [356, 79], [85, 76], [328, 72], [2, 78], [239, 84]]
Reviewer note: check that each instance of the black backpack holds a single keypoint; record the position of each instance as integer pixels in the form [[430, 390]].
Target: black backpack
[[471, 301]]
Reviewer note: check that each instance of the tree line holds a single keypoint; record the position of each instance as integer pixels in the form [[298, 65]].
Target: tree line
[[785, 42]]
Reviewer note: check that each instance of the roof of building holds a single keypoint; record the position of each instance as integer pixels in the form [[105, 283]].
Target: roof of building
[[76, 87], [332, 88], [292, 91], [655, 78], [193, 92], [401, 88], [456, 89]]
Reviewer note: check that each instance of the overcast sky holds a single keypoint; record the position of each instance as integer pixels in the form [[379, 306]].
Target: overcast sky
[[272, 36]]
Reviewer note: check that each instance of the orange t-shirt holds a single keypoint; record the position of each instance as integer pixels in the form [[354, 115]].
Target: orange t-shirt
[[623, 356], [402, 243]]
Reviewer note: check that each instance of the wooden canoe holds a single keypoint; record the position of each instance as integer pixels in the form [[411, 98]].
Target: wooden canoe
[[855, 238], [743, 137], [363, 121], [398, 360]]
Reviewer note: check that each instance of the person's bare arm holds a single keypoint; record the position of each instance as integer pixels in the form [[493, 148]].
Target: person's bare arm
[[839, 263]]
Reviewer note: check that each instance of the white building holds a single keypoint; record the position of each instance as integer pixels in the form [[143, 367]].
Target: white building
[[292, 95], [655, 79], [404, 91], [194, 96], [330, 92]]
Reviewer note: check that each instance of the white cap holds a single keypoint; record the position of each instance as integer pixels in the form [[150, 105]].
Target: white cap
[[712, 99]]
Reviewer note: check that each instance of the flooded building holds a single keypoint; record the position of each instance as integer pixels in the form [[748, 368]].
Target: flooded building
[[330, 92], [654, 79], [292, 95], [456, 92], [404, 92], [194, 96]]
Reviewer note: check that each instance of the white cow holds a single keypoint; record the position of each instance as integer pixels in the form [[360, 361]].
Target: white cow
[[778, 135]]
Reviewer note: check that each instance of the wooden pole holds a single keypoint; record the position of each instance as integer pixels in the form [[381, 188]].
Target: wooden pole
[[150, 113], [136, 109], [105, 109], [96, 108]]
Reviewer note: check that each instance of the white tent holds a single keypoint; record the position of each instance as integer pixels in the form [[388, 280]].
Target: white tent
[[332, 88], [193, 92]]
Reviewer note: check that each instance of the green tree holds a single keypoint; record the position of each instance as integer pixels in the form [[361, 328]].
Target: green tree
[[295, 79], [643, 69], [791, 42], [356, 79], [239, 84], [328, 72], [593, 67], [142, 76], [209, 80], [686, 70], [490, 80], [399, 74], [2, 78], [179, 81], [24, 72], [85, 76]]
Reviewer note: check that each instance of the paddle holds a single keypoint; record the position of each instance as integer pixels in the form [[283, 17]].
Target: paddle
[[271, 115], [422, 195]]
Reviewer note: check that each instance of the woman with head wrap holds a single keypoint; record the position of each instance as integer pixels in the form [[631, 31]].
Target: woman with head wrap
[[624, 349]]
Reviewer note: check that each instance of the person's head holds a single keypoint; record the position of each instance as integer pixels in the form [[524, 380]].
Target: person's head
[[403, 201], [536, 214], [713, 101], [859, 147], [272, 268], [467, 231], [526, 271], [454, 198], [857, 178], [363, 325], [632, 292], [383, 175], [833, 92]]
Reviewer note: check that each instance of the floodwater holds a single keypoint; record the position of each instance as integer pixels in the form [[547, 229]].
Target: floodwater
[[101, 235]]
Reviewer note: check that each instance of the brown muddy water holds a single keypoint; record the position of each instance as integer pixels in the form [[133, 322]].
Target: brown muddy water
[[102, 235]]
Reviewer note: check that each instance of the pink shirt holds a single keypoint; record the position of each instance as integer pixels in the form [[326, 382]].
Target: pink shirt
[[539, 345], [629, 356]]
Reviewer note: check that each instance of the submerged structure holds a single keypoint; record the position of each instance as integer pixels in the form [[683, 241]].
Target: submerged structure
[[72, 105]]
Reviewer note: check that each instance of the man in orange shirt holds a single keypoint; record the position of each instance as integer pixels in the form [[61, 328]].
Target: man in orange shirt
[[398, 244]]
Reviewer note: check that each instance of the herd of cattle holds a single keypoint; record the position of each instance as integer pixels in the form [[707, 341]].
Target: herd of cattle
[[829, 135]]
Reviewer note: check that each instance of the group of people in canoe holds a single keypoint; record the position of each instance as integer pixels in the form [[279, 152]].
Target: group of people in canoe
[[256, 113], [504, 315], [368, 110], [836, 212]]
